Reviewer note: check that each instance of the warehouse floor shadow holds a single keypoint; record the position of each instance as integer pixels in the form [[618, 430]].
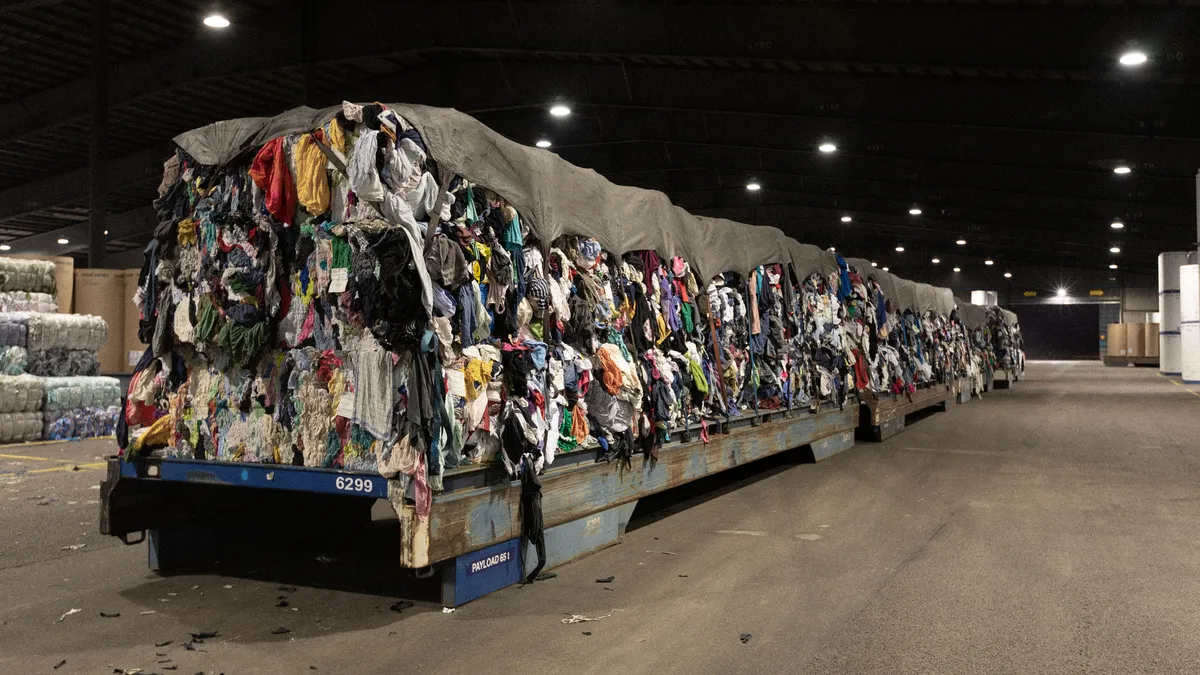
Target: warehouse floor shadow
[[658, 506]]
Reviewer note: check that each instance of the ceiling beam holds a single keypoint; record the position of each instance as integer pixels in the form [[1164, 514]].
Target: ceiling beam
[[141, 166]]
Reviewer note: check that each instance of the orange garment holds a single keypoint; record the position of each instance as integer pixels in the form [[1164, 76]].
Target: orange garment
[[612, 373], [579, 425]]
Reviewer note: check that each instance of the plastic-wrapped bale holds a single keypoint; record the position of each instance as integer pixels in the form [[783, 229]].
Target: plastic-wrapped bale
[[21, 393], [36, 276], [13, 360], [65, 331], [61, 362], [25, 301], [14, 331], [20, 427], [80, 407]]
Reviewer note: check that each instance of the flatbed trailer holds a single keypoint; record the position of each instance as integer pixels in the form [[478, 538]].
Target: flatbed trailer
[[882, 416], [472, 537]]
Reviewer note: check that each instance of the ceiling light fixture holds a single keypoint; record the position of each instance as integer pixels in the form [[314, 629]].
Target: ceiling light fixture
[[827, 148], [106, 233], [543, 143], [753, 187], [846, 219], [961, 242], [1115, 249], [216, 21], [957, 269], [833, 248], [914, 211], [899, 249], [885, 269], [560, 110], [988, 262], [1122, 170], [874, 264], [1008, 275], [1133, 58], [5, 247], [64, 241], [1118, 225], [1112, 267], [936, 261], [1061, 292]]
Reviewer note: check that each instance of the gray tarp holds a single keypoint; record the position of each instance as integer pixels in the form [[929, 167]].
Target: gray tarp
[[554, 196], [1010, 318], [971, 316]]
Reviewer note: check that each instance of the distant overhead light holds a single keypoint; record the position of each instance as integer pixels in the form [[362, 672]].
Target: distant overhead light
[[899, 249], [753, 187], [846, 219], [874, 264], [914, 211], [827, 148], [988, 262], [885, 269], [64, 241], [1122, 170], [106, 233], [833, 249], [1134, 58], [1118, 225], [216, 21], [1061, 292], [957, 269], [936, 261], [5, 247], [1111, 267], [1008, 275], [543, 143], [961, 242], [560, 111], [1115, 249]]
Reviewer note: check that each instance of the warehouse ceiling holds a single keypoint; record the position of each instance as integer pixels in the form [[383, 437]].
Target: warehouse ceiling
[[1002, 122]]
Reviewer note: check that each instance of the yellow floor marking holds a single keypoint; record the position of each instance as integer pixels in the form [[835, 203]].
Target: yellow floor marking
[[1190, 391], [73, 467], [39, 459]]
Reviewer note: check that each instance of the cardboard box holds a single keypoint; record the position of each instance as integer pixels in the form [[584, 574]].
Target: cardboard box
[[132, 347], [99, 292], [1117, 339], [64, 275], [1135, 339], [1152, 340]]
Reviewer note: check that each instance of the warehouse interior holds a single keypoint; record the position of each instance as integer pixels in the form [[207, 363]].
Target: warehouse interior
[[846, 337]]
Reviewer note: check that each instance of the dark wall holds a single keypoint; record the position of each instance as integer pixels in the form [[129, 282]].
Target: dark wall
[[1060, 331]]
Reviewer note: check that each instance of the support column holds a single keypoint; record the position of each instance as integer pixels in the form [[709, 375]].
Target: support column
[[98, 155]]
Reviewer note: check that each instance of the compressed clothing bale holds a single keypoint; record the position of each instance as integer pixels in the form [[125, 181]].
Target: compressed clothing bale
[[14, 329], [100, 292], [81, 392], [65, 331], [21, 393], [26, 301], [60, 362], [13, 360], [74, 423], [27, 275], [20, 427], [1152, 341]]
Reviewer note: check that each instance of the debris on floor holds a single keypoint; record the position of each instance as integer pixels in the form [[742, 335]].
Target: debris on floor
[[67, 613], [401, 605], [579, 618], [605, 580], [745, 638]]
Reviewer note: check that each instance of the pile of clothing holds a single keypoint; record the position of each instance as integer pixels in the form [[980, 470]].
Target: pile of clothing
[[80, 407], [21, 400], [1006, 339]]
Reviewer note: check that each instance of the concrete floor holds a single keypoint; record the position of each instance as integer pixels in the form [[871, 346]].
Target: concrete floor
[[1050, 528]]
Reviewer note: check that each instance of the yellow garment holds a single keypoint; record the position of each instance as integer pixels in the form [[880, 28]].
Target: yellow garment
[[186, 232], [312, 183], [663, 333], [337, 138], [156, 436], [478, 375]]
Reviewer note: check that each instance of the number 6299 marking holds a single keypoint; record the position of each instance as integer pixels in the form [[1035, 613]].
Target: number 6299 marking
[[350, 484]]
